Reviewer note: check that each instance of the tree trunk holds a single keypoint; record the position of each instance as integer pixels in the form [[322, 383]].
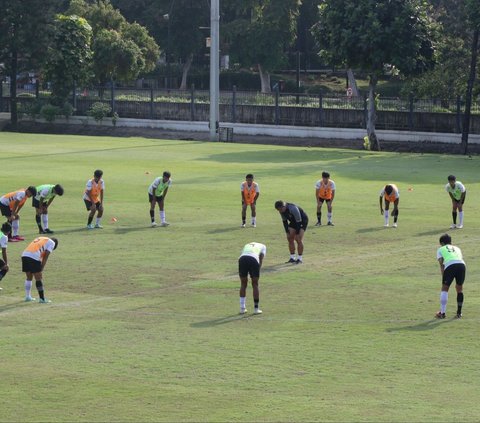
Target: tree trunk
[[186, 69], [13, 89], [264, 80], [468, 95], [372, 115]]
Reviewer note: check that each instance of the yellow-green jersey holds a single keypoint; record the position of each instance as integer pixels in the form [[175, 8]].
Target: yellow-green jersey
[[457, 190], [158, 187], [450, 255], [254, 249]]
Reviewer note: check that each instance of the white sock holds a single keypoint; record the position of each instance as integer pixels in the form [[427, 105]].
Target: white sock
[[45, 221], [299, 257], [292, 256], [385, 214], [28, 288], [99, 219], [242, 302], [443, 301], [460, 218], [15, 227], [254, 220], [329, 217], [162, 216]]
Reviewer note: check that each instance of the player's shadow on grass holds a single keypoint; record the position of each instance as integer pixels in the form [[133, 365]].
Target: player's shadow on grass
[[428, 325], [12, 306], [434, 232], [126, 230], [223, 230], [373, 229], [220, 321], [70, 231]]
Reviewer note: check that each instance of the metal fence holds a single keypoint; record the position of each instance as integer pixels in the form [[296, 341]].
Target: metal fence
[[277, 108]]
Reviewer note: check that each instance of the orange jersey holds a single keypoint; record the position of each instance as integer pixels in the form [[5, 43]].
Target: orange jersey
[[38, 247], [325, 191], [12, 197], [393, 196], [249, 192], [93, 190]]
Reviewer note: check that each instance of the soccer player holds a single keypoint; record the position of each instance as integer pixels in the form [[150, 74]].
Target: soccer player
[[452, 267], [250, 192], [44, 197], [93, 198], [5, 232], [324, 191], [157, 191], [10, 205], [250, 262], [457, 192], [295, 222], [34, 259], [392, 195]]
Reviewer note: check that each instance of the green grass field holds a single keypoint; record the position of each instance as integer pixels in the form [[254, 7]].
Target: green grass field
[[143, 326]]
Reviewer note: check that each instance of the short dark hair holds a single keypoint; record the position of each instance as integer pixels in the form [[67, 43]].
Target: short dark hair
[[325, 175], [452, 178], [55, 240], [98, 173], [32, 190], [279, 203], [167, 174], [249, 175], [58, 189], [445, 239], [388, 189], [6, 228]]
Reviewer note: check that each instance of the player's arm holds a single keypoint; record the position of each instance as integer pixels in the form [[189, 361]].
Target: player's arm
[[256, 197], [101, 196], [285, 223], [380, 200], [462, 198], [297, 218], [165, 193], [317, 195], [4, 256], [333, 195], [442, 266], [45, 258], [260, 258]]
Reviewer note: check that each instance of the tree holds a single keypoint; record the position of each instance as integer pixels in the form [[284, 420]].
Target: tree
[[69, 56], [260, 33], [370, 34], [121, 50], [473, 7], [25, 30]]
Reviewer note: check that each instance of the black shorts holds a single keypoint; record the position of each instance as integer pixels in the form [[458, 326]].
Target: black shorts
[[36, 203], [30, 265], [324, 199], [157, 199], [248, 265], [462, 200], [303, 225], [88, 205], [454, 271], [5, 210]]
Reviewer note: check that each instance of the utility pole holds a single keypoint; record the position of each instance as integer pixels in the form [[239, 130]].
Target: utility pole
[[214, 68]]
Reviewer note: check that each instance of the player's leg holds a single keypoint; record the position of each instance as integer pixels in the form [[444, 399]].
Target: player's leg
[[91, 209], [299, 240], [460, 214], [253, 209], [44, 212], [256, 294], [244, 213], [459, 280], [291, 244], [152, 202], [447, 279], [161, 207], [28, 267], [243, 269], [40, 289], [319, 211], [98, 222], [329, 213], [454, 214], [395, 212], [386, 213]]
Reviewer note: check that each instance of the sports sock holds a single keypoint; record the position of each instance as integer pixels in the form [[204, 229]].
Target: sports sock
[[254, 220], [460, 215], [242, 302], [459, 302], [15, 227], [28, 288], [152, 215], [292, 256], [99, 219], [89, 221], [255, 302], [39, 286], [329, 217], [162, 216], [45, 220], [37, 219], [443, 301], [299, 257], [319, 217], [454, 217], [385, 215]]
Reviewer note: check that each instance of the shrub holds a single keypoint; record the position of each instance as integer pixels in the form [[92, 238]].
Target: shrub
[[49, 112], [99, 111]]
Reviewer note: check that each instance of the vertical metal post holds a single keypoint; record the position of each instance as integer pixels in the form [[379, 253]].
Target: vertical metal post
[[151, 103], [297, 99], [277, 108], [214, 68], [234, 104], [365, 110], [320, 109], [37, 89], [192, 102]]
